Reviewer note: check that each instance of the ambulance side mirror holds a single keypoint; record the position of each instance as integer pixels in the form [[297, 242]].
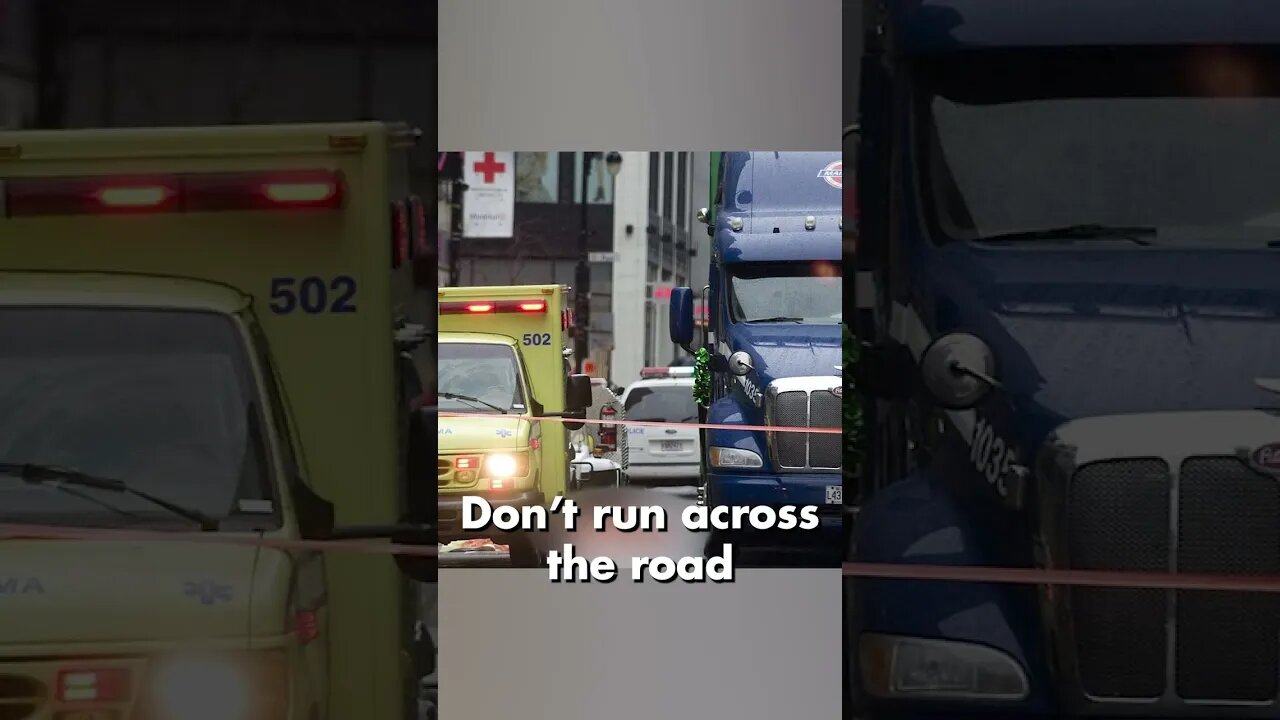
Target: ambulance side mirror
[[578, 393]]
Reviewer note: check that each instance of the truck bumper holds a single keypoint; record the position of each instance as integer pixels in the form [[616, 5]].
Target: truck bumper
[[450, 510], [776, 491]]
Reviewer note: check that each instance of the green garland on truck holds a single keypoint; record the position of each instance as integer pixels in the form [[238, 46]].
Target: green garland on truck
[[852, 403], [702, 378]]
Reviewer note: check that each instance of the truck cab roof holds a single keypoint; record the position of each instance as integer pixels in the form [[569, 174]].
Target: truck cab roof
[[956, 25], [776, 206]]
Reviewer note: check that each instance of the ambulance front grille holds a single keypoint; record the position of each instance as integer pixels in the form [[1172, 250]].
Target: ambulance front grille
[[20, 697]]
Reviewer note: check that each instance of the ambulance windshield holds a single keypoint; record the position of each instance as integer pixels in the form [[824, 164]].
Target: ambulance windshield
[[477, 377], [162, 400]]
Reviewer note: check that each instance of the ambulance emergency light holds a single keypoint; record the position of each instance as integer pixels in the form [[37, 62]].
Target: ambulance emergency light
[[203, 192], [485, 307]]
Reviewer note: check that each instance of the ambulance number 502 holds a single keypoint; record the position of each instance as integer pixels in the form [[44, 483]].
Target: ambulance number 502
[[313, 295], [537, 338]]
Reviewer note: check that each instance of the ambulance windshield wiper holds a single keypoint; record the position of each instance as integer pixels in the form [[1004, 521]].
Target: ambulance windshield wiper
[[1136, 234], [40, 474], [468, 398]]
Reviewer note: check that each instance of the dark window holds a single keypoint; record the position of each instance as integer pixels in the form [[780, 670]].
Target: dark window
[[568, 171], [668, 173], [163, 400], [654, 160], [682, 196]]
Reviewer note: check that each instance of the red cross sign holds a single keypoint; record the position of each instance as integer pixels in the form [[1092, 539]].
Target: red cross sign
[[490, 168]]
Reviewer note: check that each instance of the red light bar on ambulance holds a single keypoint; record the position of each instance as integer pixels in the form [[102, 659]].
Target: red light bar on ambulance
[[204, 192], [482, 307]]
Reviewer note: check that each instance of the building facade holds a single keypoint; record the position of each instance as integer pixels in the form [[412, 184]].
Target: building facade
[[640, 241]]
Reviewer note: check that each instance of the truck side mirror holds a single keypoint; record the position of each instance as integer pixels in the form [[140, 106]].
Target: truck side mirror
[[702, 215], [681, 320]]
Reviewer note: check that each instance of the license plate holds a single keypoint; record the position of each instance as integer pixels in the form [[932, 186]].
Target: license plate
[[835, 494], [671, 446]]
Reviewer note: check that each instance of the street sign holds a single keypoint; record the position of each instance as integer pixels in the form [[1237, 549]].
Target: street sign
[[489, 203], [600, 257]]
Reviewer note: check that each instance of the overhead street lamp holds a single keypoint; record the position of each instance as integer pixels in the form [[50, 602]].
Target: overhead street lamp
[[582, 275]]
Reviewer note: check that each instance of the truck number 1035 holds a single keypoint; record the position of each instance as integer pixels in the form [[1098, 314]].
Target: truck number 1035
[[992, 455]]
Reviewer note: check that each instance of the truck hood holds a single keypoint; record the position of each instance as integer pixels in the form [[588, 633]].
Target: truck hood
[[780, 350], [1080, 333], [456, 434], [73, 591]]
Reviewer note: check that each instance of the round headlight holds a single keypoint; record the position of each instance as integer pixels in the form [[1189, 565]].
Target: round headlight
[[501, 466], [199, 688]]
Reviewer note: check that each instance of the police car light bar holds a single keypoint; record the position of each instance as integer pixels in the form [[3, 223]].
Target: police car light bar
[[666, 372], [206, 192], [486, 307]]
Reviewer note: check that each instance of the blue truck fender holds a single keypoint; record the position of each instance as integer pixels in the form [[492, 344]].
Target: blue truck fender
[[917, 520]]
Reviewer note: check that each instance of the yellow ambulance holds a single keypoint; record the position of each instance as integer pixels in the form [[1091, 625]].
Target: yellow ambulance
[[199, 339], [501, 352]]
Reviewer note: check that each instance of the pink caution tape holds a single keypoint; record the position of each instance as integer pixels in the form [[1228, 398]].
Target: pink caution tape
[[1084, 578], [646, 423], [9, 531]]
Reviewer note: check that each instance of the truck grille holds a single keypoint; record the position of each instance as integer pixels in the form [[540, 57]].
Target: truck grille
[[20, 697], [443, 468], [805, 402], [1210, 646]]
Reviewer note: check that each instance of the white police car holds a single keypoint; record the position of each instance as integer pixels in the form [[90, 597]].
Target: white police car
[[662, 455]]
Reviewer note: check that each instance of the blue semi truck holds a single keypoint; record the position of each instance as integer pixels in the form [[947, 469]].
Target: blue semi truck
[[1068, 284], [774, 314]]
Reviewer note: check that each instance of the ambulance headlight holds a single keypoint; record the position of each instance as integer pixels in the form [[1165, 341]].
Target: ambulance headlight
[[219, 687], [723, 457], [895, 666], [502, 465]]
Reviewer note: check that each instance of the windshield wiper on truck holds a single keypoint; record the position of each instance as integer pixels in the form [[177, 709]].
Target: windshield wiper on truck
[[468, 398], [41, 474], [1136, 234], [775, 319]]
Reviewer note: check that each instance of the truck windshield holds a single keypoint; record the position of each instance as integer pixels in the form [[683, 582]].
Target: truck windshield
[[475, 377], [162, 400], [1168, 146], [807, 292]]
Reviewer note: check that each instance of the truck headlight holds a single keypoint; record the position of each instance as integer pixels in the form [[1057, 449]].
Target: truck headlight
[[233, 686], [734, 458], [894, 666]]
